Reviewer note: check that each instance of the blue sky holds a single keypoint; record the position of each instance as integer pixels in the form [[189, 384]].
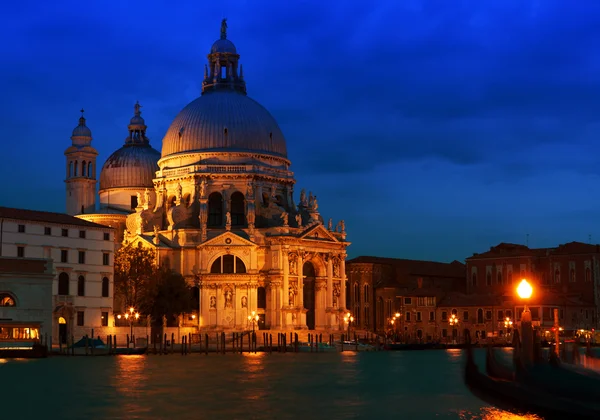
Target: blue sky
[[434, 128]]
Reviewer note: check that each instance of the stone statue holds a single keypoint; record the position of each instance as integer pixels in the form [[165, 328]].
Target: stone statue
[[284, 216], [164, 321], [299, 220], [156, 231], [249, 191], [303, 201], [203, 188], [315, 205], [213, 302], [147, 197], [330, 225], [136, 108], [244, 302], [139, 199], [343, 226], [228, 298], [311, 200], [179, 191], [224, 28], [336, 269], [291, 297], [228, 219]]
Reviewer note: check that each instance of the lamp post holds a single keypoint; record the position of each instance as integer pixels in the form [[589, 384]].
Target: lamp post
[[253, 318], [348, 318], [130, 316], [508, 324], [453, 322], [524, 291]]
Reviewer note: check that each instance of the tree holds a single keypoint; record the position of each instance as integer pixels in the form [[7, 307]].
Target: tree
[[168, 295], [134, 268]]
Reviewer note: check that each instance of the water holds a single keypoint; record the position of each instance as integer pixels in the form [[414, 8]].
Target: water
[[410, 385]]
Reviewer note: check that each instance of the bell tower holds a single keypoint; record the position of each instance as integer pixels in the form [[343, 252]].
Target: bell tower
[[81, 171]]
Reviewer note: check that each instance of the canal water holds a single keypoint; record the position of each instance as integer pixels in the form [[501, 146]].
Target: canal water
[[366, 385]]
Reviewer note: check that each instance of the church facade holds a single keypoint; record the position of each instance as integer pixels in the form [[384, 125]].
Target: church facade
[[217, 205]]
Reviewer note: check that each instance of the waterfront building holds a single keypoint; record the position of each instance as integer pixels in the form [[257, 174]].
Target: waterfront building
[[217, 206], [25, 301], [378, 287], [82, 252], [566, 277]]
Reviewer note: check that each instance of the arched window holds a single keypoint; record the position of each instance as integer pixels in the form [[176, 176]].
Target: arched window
[[509, 277], [356, 294], [90, 170], [499, 277], [474, 279], [366, 316], [76, 166], [215, 210], [572, 275], [71, 168], [105, 284], [261, 298], [488, 278], [6, 300], [588, 275], [238, 206], [83, 169], [228, 264], [557, 276], [480, 316], [454, 312], [81, 286], [380, 316], [63, 284], [366, 293]]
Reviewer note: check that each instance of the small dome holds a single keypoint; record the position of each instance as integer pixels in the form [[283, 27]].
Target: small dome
[[133, 165], [224, 120], [223, 46], [82, 130], [137, 120]]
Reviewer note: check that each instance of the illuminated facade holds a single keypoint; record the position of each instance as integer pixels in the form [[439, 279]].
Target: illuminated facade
[[220, 211]]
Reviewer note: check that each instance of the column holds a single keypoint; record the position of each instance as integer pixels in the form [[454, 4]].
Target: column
[[300, 279], [286, 285], [342, 303], [220, 304], [329, 281]]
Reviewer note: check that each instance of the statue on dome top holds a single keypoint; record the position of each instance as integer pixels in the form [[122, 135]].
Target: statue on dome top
[[299, 220], [284, 216], [330, 225], [311, 200], [224, 28], [303, 201], [136, 108]]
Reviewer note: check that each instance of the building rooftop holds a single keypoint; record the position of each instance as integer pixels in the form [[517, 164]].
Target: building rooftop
[[46, 217], [508, 250]]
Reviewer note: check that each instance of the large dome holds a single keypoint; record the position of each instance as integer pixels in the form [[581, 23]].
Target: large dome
[[224, 120], [131, 166]]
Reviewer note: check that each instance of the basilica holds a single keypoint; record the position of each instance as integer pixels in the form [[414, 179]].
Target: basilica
[[217, 205]]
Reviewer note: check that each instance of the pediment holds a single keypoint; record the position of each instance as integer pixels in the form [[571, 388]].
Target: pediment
[[227, 239], [318, 233], [143, 241]]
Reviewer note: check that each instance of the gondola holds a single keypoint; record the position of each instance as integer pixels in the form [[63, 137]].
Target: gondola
[[520, 399]]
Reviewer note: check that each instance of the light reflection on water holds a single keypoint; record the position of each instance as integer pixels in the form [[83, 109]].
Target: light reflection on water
[[413, 385]]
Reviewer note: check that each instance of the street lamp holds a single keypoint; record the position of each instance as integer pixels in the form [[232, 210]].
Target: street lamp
[[131, 316], [524, 291], [253, 318], [453, 322], [348, 318], [508, 324]]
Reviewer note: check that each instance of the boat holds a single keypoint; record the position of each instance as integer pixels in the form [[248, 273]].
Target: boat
[[495, 369], [89, 347], [306, 347], [517, 398], [23, 351], [355, 346]]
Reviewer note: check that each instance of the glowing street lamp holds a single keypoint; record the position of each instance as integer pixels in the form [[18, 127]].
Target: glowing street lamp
[[453, 322], [253, 318], [348, 318], [131, 316], [524, 291]]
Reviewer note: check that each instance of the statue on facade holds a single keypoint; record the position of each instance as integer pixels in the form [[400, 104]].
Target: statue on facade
[[202, 188], [330, 225], [311, 200], [179, 192], [284, 216], [136, 108], [299, 220], [303, 201], [336, 268], [293, 264], [315, 205], [164, 321], [228, 219], [213, 302], [147, 197], [249, 191], [139, 199], [156, 237], [291, 297], [224, 28], [244, 302], [228, 299], [343, 226]]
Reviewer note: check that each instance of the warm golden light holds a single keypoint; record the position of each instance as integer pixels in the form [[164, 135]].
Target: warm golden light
[[397, 315], [132, 310], [126, 316], [453, 320], [194, 316], [137, 315], [524, 290], [119, 316]]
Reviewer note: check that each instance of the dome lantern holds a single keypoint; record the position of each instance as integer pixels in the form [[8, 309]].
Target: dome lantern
[[222, 70], [137, 127], [82, 135]]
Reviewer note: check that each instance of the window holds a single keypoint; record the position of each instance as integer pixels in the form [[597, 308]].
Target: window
[[65, 232], [105, 258], [104, 319], [488, 315], [21, 228], [106, 236], [444, 333], [81, 286], [509, 278], [223, 72], [480, 316], [488, 278], [465, 315], [408, 316], [588, 275], [444, 316], [238, 209], [431, 316], [228, 264], [535, 313], [6, 300], [47, 231], [366, 293], [105, 287], [80, 318], [499, 277], [500, 315], [419, 317], [474, 279], [20, 251], [430, 301], [509, 313], [367, 316], [454, 312], [587, 314], [64, 256], [408, 301], [572, 275], [82, 234], [81, 257], [134, 202], [420, 301], [557, 276], [215, 210], [63, 284]]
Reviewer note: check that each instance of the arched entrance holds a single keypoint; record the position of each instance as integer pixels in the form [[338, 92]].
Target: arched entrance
[[62, 330], [308, 292]]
